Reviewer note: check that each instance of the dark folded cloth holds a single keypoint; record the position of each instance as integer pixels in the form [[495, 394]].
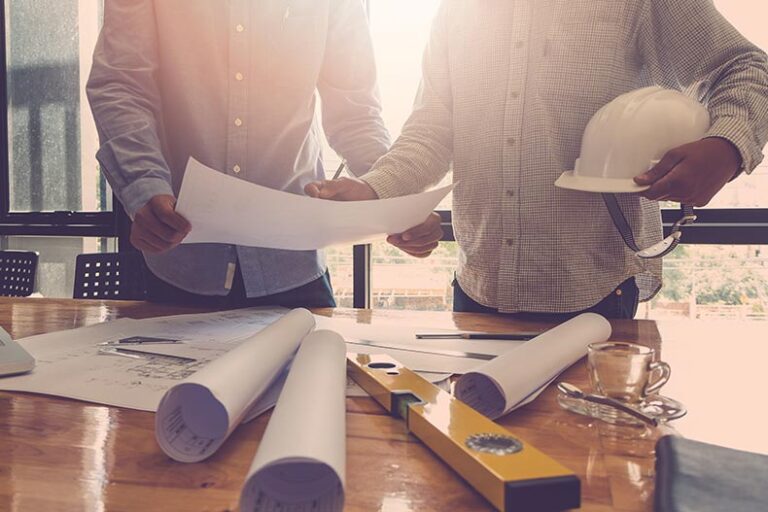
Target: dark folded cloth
[[699, 477]]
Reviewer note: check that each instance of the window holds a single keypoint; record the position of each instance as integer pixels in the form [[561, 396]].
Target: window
[[52, 139], [53, 199]]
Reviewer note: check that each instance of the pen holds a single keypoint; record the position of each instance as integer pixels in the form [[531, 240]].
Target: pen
[[518, 336], [139, 354], [340, 170]]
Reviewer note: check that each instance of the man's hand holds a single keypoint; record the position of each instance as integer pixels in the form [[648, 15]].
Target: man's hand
[[157, 228], [694, 173], [342, 189], [419, 241]]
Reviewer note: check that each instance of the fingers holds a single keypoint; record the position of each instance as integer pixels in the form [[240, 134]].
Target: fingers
[[157, 227], [145, 243], [342, 189], [164, 210], [426, 230], [664, 167], [163, 231], [313, 189], [664, 178], [421, 240]]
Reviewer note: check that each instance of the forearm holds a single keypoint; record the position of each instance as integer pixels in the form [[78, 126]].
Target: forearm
[[738, 104], [126, 106], [419, 159], [690, 44]]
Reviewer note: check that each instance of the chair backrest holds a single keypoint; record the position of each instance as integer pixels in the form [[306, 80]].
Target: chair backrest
[[115, 276], [18, 270]]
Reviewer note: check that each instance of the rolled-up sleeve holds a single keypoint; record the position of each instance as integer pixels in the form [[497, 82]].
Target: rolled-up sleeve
[[688, 43], [351, 105], [126, 105]]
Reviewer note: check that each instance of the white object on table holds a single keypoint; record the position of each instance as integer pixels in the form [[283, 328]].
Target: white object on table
[[519, 376], [300, 462], [13, 358], [196, 416]]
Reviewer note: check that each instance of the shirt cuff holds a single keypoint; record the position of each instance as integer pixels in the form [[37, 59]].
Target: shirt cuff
[[384, 183], [138, 193], [738, 133]]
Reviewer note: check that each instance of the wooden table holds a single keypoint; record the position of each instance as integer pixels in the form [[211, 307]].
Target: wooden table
[[58, 454]]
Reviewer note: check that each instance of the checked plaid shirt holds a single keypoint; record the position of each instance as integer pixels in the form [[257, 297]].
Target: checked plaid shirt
[[508, 88]]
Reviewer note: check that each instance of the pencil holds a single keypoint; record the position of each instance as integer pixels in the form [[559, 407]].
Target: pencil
[[340, 169]]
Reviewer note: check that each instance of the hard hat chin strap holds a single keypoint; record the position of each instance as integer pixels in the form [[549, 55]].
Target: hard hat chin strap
[[658, 250]]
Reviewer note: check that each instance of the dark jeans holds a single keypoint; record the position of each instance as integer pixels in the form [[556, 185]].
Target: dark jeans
[[317, 294], [620, 304]]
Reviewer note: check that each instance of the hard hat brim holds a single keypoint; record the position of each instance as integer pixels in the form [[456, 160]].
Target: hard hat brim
[[570, 181]]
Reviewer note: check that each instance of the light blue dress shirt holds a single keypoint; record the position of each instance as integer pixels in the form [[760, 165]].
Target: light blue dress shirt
[[235, 85]]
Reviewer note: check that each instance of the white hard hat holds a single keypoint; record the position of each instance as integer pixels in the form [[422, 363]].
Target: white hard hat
[[630, 135]]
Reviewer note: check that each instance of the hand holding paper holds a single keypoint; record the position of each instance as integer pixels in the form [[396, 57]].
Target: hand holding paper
[[418, 241], [223, 209]]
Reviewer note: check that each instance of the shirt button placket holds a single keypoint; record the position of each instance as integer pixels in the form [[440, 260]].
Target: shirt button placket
[[512, 178], [238, 57]]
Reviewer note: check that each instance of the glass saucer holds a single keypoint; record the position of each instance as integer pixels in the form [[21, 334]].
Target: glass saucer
[[660, 407]]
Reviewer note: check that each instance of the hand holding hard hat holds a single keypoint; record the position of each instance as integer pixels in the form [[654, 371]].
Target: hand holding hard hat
[[630, 135], [652, 140]]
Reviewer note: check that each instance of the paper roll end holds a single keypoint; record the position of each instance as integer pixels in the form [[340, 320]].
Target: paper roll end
[[290, 484], [482, 393], [190, 424]]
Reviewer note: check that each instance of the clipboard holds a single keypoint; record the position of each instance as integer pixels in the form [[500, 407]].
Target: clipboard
[[510, 473]]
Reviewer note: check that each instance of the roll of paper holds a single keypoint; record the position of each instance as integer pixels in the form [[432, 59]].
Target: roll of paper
[[300, 462], [196, 416], [519, 376]]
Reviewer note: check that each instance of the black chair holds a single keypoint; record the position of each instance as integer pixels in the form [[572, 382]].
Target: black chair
[[115, 276], [18, 270]]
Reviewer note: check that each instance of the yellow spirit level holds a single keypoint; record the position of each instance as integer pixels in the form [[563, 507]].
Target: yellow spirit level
[[510, 473]]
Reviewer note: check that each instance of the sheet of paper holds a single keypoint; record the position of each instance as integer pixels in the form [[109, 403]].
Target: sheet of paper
[[197, 415], [518, 377], [223, 209], [300, 462], [400, 343], [70, 363]]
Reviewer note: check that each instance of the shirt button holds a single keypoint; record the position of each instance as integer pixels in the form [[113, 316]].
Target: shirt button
[[514, 95], [510, 193], [239, 28], [519, 44], [509, 242], [236, 169], [238, 122], [511, 141], [239, 77]]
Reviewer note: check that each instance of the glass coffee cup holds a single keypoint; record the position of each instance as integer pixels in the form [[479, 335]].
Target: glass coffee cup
[[625, 371]]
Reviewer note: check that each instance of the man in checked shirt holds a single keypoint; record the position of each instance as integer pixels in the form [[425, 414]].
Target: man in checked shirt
[[508, 88]]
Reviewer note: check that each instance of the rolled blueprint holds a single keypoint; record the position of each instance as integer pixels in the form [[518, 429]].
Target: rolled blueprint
[[196, 416], [300, 462], [519, 376]]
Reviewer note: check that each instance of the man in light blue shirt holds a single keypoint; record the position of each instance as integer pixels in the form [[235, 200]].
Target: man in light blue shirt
[[233, 84]]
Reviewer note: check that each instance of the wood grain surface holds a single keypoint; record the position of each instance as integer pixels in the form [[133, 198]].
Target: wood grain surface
[[58, 454]]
